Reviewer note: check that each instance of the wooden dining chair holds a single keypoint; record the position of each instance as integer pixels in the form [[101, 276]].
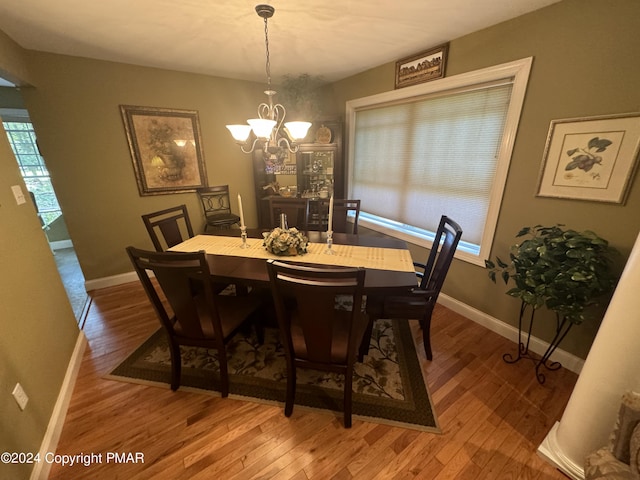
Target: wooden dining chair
[[296, 210], [217, 207], [198, 317], [419, 302], [315, 334], [168, 227], [345, 214]]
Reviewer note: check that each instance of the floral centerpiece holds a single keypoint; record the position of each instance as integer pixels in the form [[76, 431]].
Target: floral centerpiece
[[281, 241]]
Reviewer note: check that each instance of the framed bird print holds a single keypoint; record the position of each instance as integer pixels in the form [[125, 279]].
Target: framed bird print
[[591, 158]]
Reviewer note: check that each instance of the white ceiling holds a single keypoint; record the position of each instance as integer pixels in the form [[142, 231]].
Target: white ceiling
[[332, 38]]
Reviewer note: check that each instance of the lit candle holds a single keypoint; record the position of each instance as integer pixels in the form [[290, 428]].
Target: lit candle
[[241, 212], [330, 223]]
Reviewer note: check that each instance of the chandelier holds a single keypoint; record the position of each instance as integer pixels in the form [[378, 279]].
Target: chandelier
[[267, 127]]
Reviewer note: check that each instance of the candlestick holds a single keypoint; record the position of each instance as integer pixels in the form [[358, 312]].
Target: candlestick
[[243, 235], [329, 251], [330, 222], [241, 212]]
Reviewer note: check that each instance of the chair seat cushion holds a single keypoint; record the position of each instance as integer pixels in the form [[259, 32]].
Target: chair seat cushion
[[411, 307], [232, 311], [222, 218]]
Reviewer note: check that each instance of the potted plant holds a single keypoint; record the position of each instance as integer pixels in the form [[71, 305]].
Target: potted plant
[[563, 270]]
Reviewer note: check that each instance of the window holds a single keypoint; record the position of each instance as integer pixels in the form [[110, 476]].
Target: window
[[442, 147], [22, 139]]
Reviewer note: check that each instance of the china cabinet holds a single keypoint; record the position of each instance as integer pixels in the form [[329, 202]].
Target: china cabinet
[[315, 172]]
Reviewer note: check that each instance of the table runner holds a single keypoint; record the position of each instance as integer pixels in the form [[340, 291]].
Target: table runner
[[344, 255]]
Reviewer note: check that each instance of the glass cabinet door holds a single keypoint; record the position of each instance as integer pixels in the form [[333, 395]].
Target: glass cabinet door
[[317, 173]]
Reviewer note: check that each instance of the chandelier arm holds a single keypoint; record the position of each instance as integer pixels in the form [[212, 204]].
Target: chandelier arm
[[285, 143], [279, 113], [253, 146], [264, 111]]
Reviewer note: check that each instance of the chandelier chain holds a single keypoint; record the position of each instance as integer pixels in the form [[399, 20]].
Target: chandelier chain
[[266, 44]]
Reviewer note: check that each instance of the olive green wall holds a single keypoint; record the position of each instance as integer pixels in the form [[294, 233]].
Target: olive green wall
[[39, 329], [10, 98], [13, 66], [75, 112], [585, 64]]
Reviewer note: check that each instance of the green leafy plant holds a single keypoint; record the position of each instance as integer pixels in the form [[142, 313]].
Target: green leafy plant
[[302, 97], [563, 270]]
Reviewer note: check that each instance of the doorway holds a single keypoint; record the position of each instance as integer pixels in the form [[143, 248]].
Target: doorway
[[34, 171]]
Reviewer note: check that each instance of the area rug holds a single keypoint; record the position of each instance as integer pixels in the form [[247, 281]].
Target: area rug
[[388, 386]]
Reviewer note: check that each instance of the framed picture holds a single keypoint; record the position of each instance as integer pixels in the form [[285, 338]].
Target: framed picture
[[166, 149], [422, 67], [591, 158]]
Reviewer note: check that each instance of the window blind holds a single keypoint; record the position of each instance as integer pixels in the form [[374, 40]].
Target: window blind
[[417, 160]]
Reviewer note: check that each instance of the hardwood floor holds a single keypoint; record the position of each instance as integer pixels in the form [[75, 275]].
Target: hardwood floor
[[493, 416]]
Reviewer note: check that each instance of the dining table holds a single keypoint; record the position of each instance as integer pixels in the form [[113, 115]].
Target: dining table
[[388, 263]]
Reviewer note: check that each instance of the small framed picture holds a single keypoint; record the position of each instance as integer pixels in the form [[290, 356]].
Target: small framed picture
[[166, 149], [590, 158], [423, 67]]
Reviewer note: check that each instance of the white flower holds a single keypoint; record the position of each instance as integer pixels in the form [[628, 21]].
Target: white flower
[[285, 242]]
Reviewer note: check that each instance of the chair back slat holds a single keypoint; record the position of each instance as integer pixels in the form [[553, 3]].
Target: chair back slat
[[215, 200], [217, 207], [184, 280], [346, 213], [441, 255], [168, 227], [296, 210], [305, 302]]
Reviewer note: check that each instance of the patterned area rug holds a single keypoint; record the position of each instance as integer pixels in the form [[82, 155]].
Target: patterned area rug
[[388, 386]]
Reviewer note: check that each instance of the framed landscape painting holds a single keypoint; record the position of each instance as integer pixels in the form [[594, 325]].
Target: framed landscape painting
[[166, 149], [425, 66], [591, 158]]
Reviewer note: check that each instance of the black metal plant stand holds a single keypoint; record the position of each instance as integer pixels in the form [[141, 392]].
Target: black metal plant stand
[[562, 328]]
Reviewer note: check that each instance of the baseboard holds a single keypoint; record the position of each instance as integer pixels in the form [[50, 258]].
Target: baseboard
[[110, 281], [54, 429], [568, 360], [61, 244], [552, 453]]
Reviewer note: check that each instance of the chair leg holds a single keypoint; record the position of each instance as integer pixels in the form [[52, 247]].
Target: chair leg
[[259, 327], [348, 394], [366, 340], [176, 365], [224, 373], [426, 336], [291, 390]]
